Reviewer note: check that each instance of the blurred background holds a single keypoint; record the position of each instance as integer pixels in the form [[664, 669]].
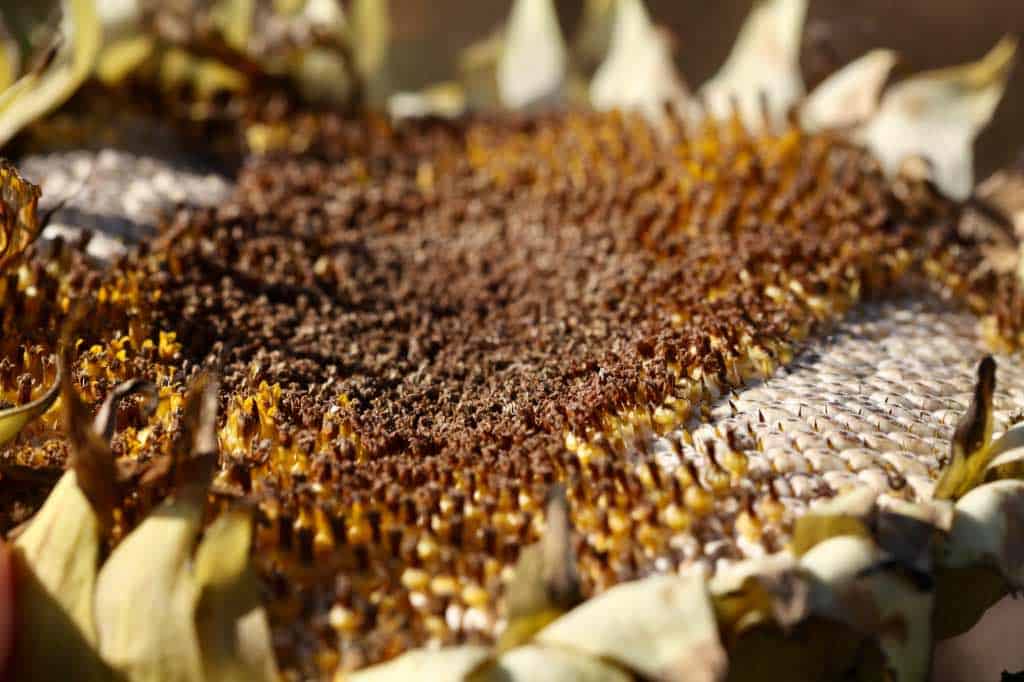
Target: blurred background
[[926, 33]]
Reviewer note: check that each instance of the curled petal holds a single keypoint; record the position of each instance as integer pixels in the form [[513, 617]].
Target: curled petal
[[14, 419], [937, 115], [70, 62]]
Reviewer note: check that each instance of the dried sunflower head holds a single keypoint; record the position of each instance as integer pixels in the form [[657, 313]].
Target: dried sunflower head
[[423, 326]]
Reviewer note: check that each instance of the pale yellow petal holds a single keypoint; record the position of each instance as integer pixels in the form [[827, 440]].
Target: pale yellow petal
[[937, 115]]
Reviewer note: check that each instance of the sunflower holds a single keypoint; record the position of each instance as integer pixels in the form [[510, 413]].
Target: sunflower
[[560, 368]]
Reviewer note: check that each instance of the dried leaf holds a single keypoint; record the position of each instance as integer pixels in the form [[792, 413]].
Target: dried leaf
[[849, 96], [639, 72], [662, 627], [937, 115], [543, 664], [533, 67], [764, 61], [969, 451], [41, 91], [230, 622], [545, 583], [450, 663], [19, 219]]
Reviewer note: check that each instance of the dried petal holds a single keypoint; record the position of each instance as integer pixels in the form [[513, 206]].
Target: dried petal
[[844, 515], [856, 586], [91, 458], [639, 71], [593, 38], [937, 115], [849, 96], [234, 20], [451, 663], [543, 664], [55, 563], [985, 550], [662, 627], [534, 63], [764, 60], [146, 598], [370, 26]]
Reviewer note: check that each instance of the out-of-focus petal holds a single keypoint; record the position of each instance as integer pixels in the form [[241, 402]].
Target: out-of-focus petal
[[763, 62], [937, 115], [638, 72], [850, 95], [533, 66]]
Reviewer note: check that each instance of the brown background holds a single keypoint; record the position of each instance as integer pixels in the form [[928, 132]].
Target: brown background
[[926, 33]]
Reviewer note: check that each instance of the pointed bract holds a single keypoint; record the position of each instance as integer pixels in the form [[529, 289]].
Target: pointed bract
[[763, 62], [533, 66], [849, 96], [230, 622], [638, 72], [938, 114]]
